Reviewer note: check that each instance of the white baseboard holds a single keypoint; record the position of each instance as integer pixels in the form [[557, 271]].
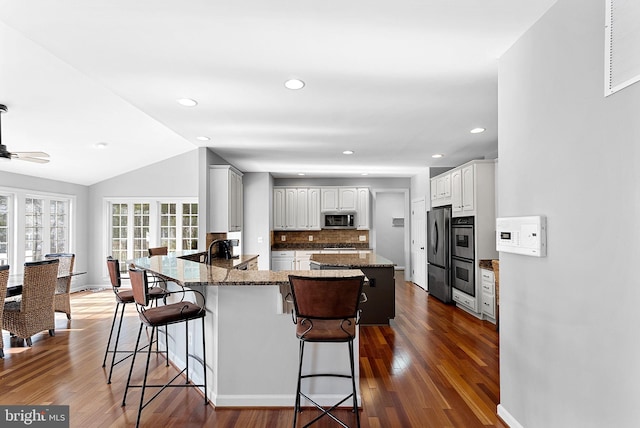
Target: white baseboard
[[508, 418], [274, 400]]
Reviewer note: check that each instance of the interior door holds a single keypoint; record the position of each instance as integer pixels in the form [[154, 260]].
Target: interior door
[[418, 239]]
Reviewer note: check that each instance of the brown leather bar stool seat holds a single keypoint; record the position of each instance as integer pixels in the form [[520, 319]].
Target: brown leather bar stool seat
[[326, 310], [123, 297], [163, 316]]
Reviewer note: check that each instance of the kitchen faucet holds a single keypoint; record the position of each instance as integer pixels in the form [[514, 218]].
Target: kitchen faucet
[[208, 256]]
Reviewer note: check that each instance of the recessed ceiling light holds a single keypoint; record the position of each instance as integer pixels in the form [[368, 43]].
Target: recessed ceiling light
[[203, 138], [365, 173], [477, 130], [348, 152], [301, 173], [294, 84], [101, 145], [437, 156], [187, 102]]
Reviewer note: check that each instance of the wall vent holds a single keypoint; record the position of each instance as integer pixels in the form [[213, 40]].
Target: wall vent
[[622, 45]]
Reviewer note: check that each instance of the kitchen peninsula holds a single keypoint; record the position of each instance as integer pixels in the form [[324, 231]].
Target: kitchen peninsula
[[252, 350]]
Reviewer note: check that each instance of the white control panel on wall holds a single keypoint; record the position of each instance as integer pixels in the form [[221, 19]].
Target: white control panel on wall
[[522, 235]]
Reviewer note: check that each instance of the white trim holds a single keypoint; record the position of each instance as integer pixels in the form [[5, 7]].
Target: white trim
[[508, 418], [626, 19]]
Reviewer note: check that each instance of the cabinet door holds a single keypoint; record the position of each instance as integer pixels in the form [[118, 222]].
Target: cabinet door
[[468, 188], [278, 209], [291, 200], [313, 208], [434, 188], [235, 202], [456, 191], [302, 209], [348, 199], [362, 213], [329, 199]]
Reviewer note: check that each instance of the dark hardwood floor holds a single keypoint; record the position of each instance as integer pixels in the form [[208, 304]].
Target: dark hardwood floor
[[434, 366]]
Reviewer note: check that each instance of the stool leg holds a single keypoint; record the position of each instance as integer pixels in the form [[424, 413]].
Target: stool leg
[[133, 361], [113, 323], [115, 345], [296, 409], [204, 364], [154, 330], [353, 383]]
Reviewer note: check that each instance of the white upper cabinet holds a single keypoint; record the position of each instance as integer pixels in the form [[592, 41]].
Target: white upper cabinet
[[441, 189], [296, 208], [463, 191], [363, 211], [300, 208], [339, 199], [225, 202]]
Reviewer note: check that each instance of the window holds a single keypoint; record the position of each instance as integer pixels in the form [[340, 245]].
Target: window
[[622, 44], [4, 230], [33, 230], [189, 226], [59, 226], [137, 225], [32, 225]]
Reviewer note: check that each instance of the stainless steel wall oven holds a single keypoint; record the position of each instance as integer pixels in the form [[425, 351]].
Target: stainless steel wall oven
[[463, 255]]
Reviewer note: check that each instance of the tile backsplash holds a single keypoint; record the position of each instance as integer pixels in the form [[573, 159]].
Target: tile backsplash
[[320, 238]]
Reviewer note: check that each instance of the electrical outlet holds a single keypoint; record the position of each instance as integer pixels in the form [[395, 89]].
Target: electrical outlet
[[362, 238], [259, 239], [310, 238], [283, 238]]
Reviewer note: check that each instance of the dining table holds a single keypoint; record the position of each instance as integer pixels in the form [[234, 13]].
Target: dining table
[[14, 284]]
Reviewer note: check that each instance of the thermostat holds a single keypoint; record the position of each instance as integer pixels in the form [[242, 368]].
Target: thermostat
[[522, 235]]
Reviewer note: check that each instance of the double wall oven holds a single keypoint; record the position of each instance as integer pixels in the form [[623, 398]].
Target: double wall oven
[[462, 255]]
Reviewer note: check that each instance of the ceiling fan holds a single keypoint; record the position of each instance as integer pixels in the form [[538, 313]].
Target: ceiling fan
[[38, 157]]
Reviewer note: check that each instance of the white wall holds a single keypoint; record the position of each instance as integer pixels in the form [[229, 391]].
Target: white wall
[[256, 233], [390, 239], [79, 242], [175, 177], [569, 347]]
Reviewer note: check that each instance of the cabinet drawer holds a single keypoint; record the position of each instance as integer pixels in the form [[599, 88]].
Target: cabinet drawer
[[488, 287], [489, 305], [464, 300], [282, 253], [487, 275]]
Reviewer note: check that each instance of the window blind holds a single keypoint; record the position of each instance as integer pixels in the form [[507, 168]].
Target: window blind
[[622, 44]]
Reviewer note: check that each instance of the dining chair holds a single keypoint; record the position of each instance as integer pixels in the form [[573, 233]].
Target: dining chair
[[33, 313], [326, 310], [4, 278], [62, 298], [158, 251]]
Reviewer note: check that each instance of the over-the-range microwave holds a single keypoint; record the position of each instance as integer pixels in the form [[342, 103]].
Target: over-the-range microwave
[[338, 220]]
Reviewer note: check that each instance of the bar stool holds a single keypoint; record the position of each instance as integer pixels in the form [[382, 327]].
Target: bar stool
[[4, 278], [326, 310], [163, 316], [122, 298]]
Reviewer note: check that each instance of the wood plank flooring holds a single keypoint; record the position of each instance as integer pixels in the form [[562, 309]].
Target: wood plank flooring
[[434, 366]]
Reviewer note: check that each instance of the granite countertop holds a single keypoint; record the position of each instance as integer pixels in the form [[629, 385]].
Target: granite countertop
[[485, 264], [191, 273], [351, 260]]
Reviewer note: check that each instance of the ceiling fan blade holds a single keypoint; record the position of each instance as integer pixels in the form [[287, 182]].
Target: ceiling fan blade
[[30, 159], [30, 154]]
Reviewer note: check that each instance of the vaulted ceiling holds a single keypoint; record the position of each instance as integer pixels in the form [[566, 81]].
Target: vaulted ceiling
[[393, 81]]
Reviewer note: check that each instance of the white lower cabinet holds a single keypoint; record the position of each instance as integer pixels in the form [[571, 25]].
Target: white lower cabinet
[[302, 260], [465, 300], [282, 260], [488, 287]]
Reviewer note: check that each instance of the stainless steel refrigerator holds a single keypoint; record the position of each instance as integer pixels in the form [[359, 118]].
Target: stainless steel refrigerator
[[438, 257]]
